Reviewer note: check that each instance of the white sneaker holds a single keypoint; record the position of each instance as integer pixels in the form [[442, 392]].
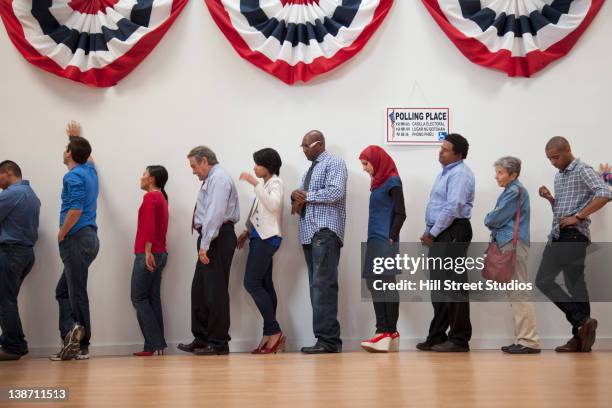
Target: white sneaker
[[83, 354], [381, 343], [71, 347]]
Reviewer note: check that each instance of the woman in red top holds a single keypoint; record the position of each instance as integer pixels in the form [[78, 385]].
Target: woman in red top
[[151, 256]]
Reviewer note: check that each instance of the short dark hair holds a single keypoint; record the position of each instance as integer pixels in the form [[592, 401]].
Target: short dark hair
[[79, 148], [460, 144], [9, 165], [268, 158]]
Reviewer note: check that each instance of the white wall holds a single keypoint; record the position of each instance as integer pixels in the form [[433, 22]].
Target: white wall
[[194, 89]]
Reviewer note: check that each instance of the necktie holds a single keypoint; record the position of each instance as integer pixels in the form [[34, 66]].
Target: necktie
[[307, 185], [195, 207]]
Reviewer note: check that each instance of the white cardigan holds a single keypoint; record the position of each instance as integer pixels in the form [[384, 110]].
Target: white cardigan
[[267, 211]]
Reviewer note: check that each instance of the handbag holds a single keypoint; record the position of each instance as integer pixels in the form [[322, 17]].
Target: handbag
[[499, 266]]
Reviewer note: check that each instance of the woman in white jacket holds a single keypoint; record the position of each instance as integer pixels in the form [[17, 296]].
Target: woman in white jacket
[[263, 229]]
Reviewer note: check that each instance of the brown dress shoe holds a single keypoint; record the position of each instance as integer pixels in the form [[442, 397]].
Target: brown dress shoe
[[586, 333], [572, 346]]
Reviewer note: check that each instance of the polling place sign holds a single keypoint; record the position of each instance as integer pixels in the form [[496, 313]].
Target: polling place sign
[[417, 126]]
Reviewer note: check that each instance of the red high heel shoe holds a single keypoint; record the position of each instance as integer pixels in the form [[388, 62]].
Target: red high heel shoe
[[149, 353], [278, 346]]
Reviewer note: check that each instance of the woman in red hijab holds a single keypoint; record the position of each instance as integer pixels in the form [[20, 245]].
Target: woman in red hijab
[[386, 217]]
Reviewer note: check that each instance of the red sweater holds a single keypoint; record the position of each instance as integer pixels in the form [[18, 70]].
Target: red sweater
[[152, 223]]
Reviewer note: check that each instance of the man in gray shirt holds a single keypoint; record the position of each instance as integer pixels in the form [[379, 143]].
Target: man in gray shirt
[[214, 216]]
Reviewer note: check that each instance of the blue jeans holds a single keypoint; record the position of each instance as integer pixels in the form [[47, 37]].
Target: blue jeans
[[146, 298], [77, 251], [322, 258], [258, 282], [15, 264]]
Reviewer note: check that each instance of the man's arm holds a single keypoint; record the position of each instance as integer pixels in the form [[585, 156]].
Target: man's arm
[[74, 129], [213, 211], [8, 201]]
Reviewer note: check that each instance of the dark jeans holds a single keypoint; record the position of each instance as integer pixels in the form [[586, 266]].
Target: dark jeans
[[210, 303], [77, 251], [566, 254], [322, 257], [15, 264], [258, 282], [386, 305], [146, 298], [454, 312]]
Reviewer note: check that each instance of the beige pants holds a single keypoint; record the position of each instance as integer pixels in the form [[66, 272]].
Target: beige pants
[[525, 328]]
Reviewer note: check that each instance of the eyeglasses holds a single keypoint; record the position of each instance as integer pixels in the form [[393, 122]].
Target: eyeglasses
[[310, 146]]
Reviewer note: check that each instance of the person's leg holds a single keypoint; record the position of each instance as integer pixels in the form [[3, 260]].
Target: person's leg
[[83, 249], [268, 283], [525, 327], [62, 295], [391, 305], [142, 281], [14, 267], [216, 281], [255, 276], [439, 322], [324, 288], [557, 257], [380, 308], [579, 310], [199, 306], [155, 299], [460, 331]]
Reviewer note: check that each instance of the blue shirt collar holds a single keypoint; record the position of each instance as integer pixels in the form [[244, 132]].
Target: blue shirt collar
[[19, 183], [571, 166], [451, 166]]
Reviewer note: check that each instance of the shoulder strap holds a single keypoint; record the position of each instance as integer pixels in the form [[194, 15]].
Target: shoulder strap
[[518, 218]]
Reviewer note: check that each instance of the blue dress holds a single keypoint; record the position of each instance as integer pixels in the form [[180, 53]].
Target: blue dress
[[381, 216]]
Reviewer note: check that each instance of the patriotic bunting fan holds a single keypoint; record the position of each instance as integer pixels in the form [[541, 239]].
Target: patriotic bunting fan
[[96, 42], [520, 37], [296, 40]]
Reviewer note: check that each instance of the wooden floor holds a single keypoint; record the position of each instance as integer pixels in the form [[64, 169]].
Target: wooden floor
[[355, 379]]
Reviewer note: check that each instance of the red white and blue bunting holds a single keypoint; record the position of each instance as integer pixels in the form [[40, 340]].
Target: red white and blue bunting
[[96, 42], [296, 40], [519, 37]]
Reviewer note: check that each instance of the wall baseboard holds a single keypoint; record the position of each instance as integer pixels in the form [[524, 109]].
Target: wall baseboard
[[242, 346]]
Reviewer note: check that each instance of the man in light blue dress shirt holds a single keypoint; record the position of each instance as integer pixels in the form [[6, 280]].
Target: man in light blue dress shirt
[[448, 232], [216, 212]]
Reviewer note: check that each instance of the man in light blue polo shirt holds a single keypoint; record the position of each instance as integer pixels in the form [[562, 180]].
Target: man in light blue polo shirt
[[78, 245], [19, 215]]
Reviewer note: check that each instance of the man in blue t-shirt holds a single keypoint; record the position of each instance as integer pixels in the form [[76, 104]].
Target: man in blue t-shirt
[[19, 215], [78, 245]]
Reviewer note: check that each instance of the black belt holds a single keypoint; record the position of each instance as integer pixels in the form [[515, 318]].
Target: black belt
[[225, 223]]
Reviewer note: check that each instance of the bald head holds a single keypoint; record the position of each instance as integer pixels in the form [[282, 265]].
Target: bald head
[[558, 143], [313, 144]]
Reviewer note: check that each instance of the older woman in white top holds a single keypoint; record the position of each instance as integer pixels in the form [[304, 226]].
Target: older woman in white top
[[263, 229]]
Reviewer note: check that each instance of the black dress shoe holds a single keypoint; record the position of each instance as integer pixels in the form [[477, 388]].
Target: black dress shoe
[[6, 356], [190, 347], [424, 346], [211, 350], [320, 349], [449, 347], [586, 334], [506, 348], [520, 349]]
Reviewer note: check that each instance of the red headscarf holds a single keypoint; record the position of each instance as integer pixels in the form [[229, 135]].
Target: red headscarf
[[383, 164]]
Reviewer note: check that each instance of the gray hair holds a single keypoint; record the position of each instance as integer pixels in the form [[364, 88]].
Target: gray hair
[[203, 152], [511, 164]]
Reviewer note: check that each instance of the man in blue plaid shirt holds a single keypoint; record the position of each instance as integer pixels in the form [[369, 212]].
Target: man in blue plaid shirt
[[579, 192], [321, 206]]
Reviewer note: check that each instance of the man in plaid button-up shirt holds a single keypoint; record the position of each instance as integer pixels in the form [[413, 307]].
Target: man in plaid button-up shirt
[[321, 205], [579, 192]]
